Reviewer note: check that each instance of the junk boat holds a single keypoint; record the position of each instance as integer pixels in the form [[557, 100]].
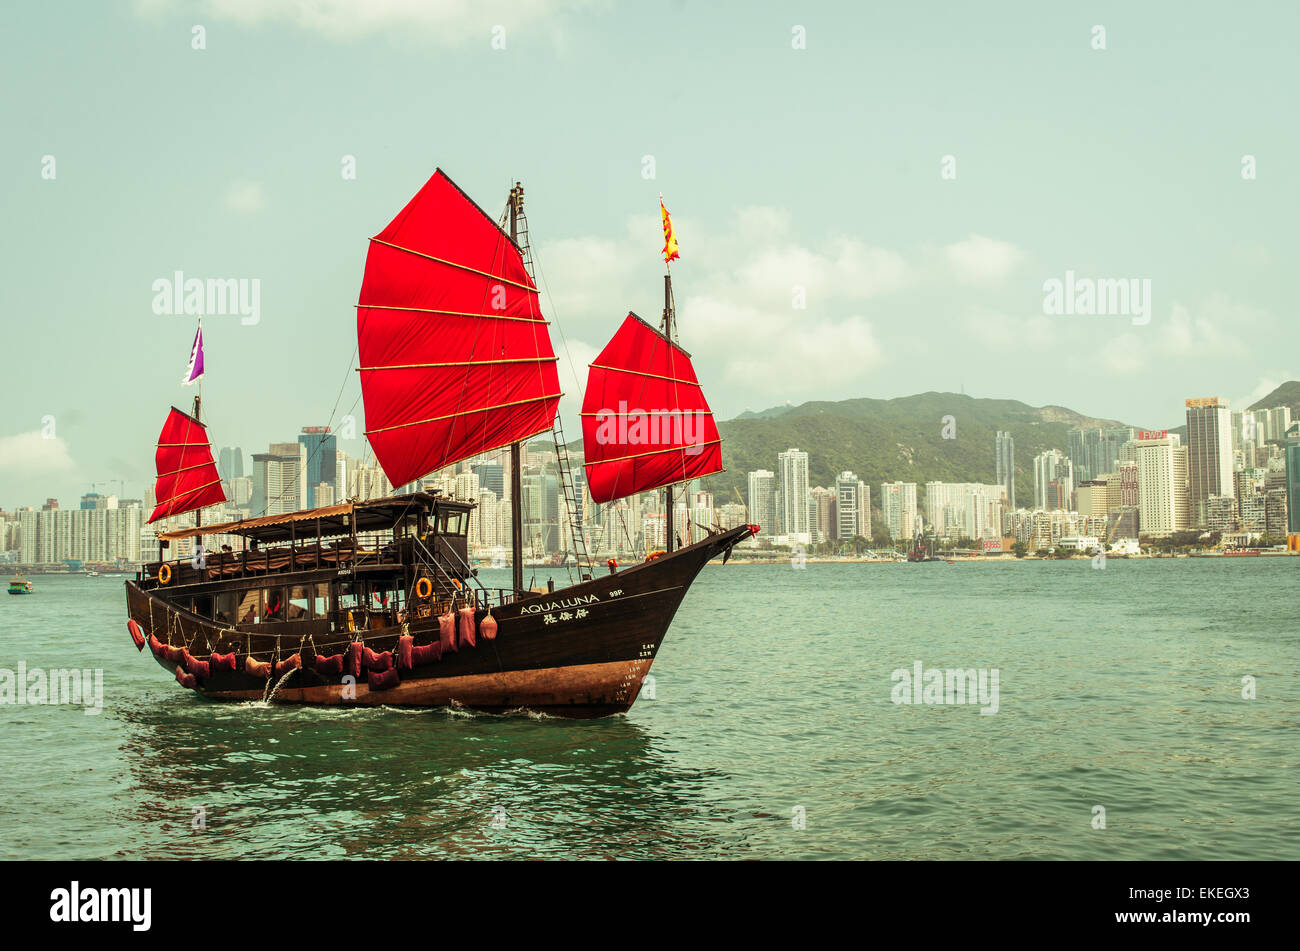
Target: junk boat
[[375, 602]]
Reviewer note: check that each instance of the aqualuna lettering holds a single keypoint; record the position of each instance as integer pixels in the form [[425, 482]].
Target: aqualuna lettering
[[559, 605], [102, 904]]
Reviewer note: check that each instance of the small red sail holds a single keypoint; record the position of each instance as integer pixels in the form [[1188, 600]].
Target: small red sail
[[187, 476], [645, 421], [455, 355]]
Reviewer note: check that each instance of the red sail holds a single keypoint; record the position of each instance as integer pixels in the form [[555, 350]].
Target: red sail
[[455, 355], [645, 422], [187, 476]]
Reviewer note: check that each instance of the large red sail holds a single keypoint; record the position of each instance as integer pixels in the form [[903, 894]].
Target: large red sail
[[187, 476], [455, 355], [645, 421]]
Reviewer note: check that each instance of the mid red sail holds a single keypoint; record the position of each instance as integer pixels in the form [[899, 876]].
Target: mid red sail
[[455, 355], [645, 421], [187, 476]]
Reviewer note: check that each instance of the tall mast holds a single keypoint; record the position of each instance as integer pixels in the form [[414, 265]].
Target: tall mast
[[516, 455], [198, 513], [670, 527]]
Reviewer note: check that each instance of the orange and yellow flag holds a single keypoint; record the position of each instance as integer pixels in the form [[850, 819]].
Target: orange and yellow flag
[[670, 236]]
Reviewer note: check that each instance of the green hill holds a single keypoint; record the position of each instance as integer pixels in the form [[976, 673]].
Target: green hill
[[1288, 394], [885, 440]]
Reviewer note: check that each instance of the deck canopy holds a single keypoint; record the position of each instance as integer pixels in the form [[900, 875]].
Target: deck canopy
[[375, 515]]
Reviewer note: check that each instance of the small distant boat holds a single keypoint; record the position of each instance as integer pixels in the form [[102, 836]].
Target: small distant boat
[[92, 573], [20, 585]]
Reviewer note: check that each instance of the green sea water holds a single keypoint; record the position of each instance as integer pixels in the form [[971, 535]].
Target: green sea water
[[1119, 688]]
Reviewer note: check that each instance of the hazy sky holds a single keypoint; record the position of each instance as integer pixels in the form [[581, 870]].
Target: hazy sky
[[818, 167]]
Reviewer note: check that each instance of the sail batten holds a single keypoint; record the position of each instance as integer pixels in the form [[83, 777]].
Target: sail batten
[[645, 421], [187, 475], [455, 355]]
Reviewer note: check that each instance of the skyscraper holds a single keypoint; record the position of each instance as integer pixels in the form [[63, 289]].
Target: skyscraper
[[1053, 480], [1094, 452], [852, 507], [792, 489], [1292, 453], [230, 463], [491, 475], [1004, 459], [321, 460], [762, 501], [1209, 455], [898, 509], [1162, 485], [280, 479]]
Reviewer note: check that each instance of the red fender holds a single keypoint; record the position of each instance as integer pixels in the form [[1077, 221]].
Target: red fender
[[257, 668], [447, 631], [466, 626], [383, 680], [136, 634], [331, 666]]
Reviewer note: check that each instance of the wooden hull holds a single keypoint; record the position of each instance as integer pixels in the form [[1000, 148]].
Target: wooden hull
[[581, 651]]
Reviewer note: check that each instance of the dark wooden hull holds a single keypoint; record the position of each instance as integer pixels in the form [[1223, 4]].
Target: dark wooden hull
[[580, 651]]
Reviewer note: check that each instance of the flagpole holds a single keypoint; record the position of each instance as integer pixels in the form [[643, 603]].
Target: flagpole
[[198, 409], [670, 528]]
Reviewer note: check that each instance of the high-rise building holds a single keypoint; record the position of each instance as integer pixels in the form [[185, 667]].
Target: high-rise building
[[898, 509], [230, 463], [792, 495], [1004, 460], [491, 475], [762, 501], [1291, 451], [964, 509], [321, 459], [1093, 497], [1209, 455], [540, 495], [1053, 480], [852, 507], [1162, 485], [1093, 452], [280, 479]]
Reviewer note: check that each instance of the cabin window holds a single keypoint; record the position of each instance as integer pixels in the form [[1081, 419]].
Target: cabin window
[[248, 606], [203, 605], [321, 600], [273, 604], [451, 523], [347, 596], [299, 602], [226, 607]]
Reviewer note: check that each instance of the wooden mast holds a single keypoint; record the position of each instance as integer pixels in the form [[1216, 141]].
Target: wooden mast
[[198, 513], [669, 527], [516, 455]]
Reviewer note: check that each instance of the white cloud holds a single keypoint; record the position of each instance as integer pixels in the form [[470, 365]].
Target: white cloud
[[245, 198], [736, 301], [982, 260], [33, 454], [444, 21]]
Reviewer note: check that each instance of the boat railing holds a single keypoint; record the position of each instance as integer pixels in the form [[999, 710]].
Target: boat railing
[[259, 562]]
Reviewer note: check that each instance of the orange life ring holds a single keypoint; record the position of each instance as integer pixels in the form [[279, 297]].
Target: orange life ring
[[423, 588], [655, 554], [164, 573]]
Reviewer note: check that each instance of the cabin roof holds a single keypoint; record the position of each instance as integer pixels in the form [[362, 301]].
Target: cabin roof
[[373, 515]]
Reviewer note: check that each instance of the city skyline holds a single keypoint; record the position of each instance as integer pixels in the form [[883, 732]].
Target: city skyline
[[825, 246]]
